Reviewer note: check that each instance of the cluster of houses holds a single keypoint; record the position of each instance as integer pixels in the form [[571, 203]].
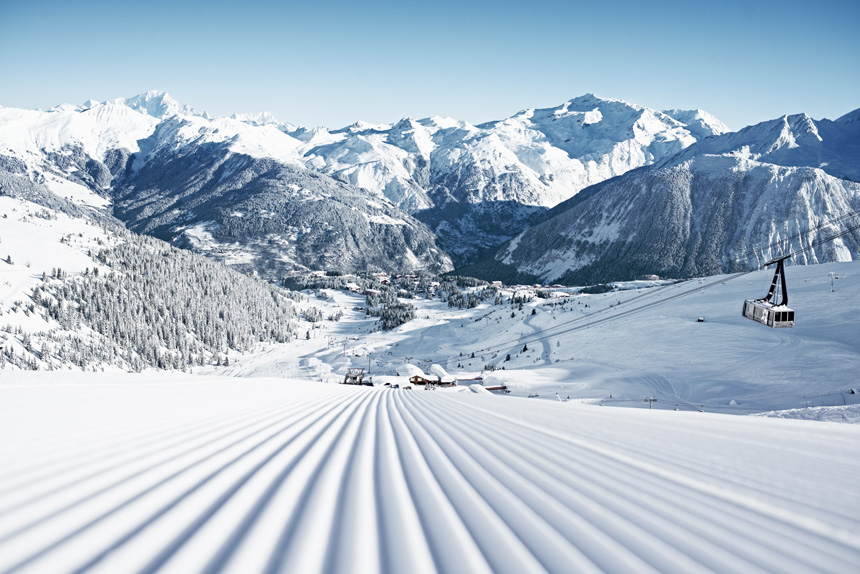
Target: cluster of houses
[[409, 376]]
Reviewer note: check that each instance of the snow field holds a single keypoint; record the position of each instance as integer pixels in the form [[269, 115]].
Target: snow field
[[263, 475]]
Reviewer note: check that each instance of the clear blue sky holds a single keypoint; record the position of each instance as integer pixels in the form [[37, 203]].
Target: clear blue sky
[[331, 63]]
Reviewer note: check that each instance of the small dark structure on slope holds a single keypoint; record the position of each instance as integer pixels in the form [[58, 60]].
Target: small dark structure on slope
[[430, 380], [356, 377]]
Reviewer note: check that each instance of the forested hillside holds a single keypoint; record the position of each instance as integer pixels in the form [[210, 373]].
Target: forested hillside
[[146, 304]]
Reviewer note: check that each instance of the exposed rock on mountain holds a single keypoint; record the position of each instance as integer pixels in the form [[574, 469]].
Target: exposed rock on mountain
[[198, 181], [478, 186], [727, 203], [271, 217]]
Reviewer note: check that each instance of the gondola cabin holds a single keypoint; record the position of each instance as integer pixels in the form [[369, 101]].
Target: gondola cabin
[[767, 314], [766, 310]]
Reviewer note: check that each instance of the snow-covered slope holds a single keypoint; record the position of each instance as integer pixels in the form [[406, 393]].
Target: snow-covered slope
[[194, 475], [79, 291], [94, 130], [793, 141], [640, 339], [552, 152], [728, 202]]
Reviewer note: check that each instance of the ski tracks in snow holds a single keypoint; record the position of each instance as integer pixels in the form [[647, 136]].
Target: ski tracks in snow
[[302, 477]]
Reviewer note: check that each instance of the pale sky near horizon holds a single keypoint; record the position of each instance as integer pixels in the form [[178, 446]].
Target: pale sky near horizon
[[333, 63]]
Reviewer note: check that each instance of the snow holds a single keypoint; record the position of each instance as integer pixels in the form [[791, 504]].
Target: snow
[[408, 370], [382, 219], [265, 468], [553, 152], [97, 129], [794, 140], [726, 364], [75, 192], [844, 414], [265, 141], [181, 473], [126, 122], [199, 235]]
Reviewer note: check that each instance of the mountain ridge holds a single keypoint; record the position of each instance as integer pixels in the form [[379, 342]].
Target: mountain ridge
[[448, 187], [727, 203], [475, 186]]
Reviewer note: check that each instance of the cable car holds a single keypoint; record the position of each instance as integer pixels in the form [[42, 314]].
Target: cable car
[[766, 310]]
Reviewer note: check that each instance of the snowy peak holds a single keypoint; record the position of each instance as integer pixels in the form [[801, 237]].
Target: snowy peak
[[794, 131], [413, 137], [143, 125], [95, 130], [362, 126], [158, 105], [724, 203], [786, 132], [261, 119], [178, 132], [792, 141], [264, 119], [699, 122], [460, 176], [457, 175], [590, 128]]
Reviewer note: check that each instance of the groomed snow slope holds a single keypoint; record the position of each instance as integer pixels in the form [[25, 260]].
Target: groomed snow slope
[[166, 473]]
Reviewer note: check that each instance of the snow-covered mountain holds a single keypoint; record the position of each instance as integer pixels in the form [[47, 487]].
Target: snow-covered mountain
[[727, 203], [475, 186], [271, 217], [254, 197], [79, 291], [478, 186]]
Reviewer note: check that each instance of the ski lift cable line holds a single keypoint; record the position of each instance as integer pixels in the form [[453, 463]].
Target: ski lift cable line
[[560, 328], [543, 336], [566, 327], [685, 293], [660, 290]]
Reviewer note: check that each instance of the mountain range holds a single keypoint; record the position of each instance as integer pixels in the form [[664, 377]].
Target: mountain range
[[233, 188], [591, 190], [478, 186]]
